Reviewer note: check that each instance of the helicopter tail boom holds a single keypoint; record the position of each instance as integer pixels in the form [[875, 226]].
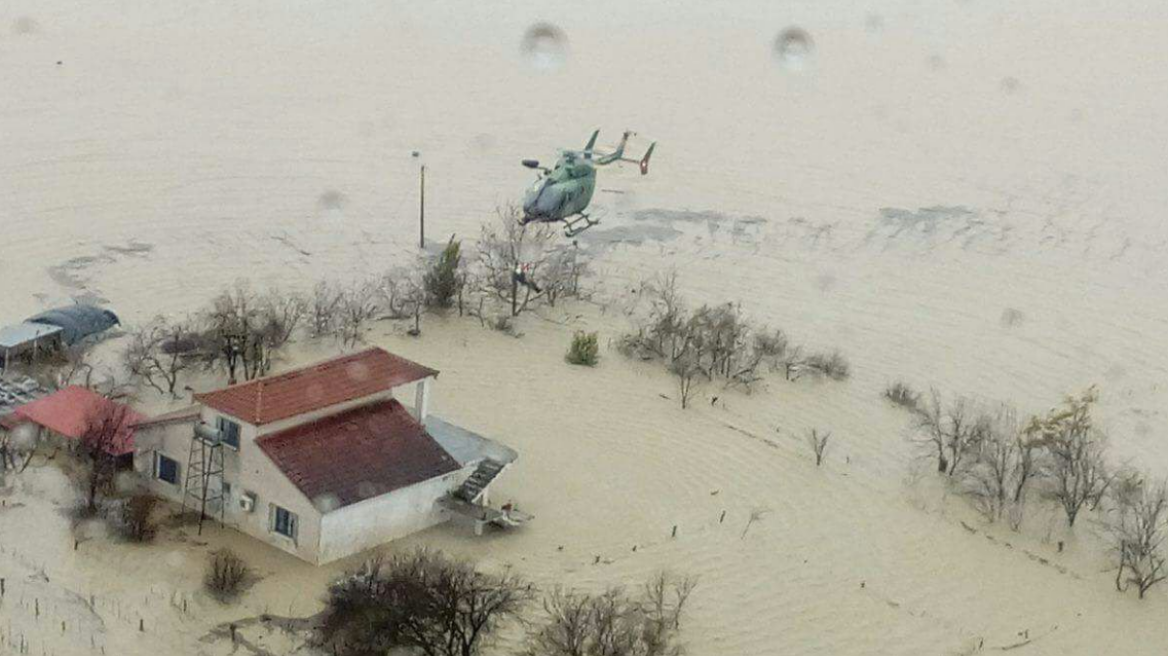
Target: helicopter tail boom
[[591, 144]]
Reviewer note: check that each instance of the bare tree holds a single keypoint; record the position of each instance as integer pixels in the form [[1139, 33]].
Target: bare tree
[[561, 277], [102, 438], [1138, 531], [614, 623], [686, 370], [16, 444], [357, 307], [243, 331], [507, 247], [1004, 464], [422, 600], [818, 442], [952, 432], [323, 308], [160, 352], [1078, 472], [403, 295]]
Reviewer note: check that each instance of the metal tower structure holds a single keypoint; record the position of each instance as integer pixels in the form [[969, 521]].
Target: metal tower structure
[[203, 488]]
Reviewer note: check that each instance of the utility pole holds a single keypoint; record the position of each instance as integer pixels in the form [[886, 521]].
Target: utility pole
[[422, 213]]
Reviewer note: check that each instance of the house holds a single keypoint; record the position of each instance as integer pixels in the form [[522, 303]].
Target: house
[[323, 461], [66, 414]]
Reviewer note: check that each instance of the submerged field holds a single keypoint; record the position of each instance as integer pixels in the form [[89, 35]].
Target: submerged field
[[984, 219]]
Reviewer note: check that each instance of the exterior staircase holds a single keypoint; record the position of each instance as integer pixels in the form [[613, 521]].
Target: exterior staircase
[[473, 487]]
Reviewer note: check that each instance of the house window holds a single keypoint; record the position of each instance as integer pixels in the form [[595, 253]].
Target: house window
[[229, 431], [166, 469], [284, 522]]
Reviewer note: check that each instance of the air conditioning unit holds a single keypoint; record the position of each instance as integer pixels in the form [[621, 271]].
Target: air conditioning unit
[[247, 501]]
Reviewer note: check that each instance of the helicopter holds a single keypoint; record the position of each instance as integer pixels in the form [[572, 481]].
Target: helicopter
[[563, 192]]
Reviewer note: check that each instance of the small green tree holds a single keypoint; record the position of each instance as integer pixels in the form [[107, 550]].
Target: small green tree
[[444, 280], [585, 349]]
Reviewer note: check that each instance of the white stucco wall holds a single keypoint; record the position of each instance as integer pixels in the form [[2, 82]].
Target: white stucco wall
[[375, 521], [347, 530]]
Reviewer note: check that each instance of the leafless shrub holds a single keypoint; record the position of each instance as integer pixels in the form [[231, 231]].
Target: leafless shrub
[[899, 393], [1138, 529], [422, 600], [818, 443], [227, 575], [833, 365], [160, 352], [323, 307], [403, 295], [716, 340], [564, 269], [614, 623], [356, 309]]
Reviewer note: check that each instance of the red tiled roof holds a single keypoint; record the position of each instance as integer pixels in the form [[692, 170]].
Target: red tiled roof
[[189, 413], [316, 386], [69, 410], [358, 454]]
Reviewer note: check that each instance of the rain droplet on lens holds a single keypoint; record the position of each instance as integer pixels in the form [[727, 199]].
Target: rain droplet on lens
[[545, 46], [1009, 84], [332, 200], [25, 25], [794, 48]]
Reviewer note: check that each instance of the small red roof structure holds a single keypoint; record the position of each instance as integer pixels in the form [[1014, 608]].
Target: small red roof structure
[[267, 400], [69, 410], [358, 454]]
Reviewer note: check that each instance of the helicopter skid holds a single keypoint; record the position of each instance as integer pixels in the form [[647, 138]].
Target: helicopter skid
[[573, 228]]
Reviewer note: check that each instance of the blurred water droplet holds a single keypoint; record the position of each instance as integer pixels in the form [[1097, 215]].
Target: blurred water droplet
[[327, 502], [357, 371], [794, 48], [332, 200], [483, 143], [1009, 84], [545, 46], [25, 25]]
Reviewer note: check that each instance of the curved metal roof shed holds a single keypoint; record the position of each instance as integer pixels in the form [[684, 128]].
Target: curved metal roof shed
[[77, 321]]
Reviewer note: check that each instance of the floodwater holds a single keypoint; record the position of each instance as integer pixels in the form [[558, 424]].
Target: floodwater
[[967, 194]]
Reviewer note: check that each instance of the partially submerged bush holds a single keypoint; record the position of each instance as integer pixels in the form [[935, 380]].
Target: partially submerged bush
[[421, 600], [902, 395], [615, 622], [833, 365], [585, 349], [227, 575], [135, 521], [444, 279]]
